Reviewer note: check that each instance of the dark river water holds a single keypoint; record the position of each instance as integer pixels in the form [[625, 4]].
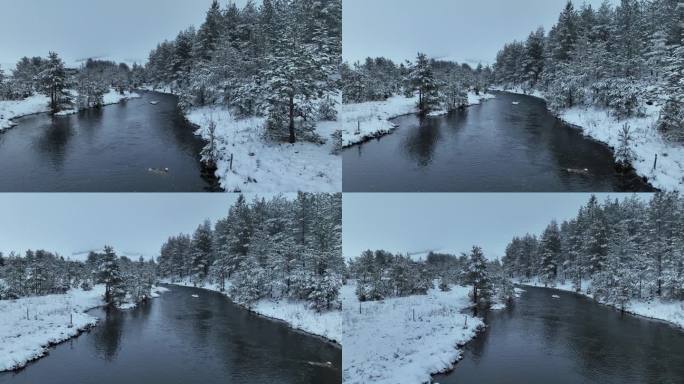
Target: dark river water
[[494, 147], [178, 339], [110, 149], [571, 340]]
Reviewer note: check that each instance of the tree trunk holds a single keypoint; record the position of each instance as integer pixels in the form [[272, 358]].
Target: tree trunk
[[292, 127]]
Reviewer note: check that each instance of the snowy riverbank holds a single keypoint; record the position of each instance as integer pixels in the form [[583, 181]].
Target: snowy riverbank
[[262, 166], [12, 109], [600, 125], [295, 313], [671, 312], [406, 339], [49, 322], [365, 121]]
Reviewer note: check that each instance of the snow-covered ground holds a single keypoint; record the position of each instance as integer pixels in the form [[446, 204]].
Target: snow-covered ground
[[406, 339], [12, 109], [364, 121], [295, 313], [600, 125], [669, 311], [49, 322], [262, 166]]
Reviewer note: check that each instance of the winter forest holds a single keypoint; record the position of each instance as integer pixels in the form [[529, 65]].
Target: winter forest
[[440, 85], [381, 274], [623, 58], [66, 88], [40, 272], [279, 60], [269, 249], [618, 251]]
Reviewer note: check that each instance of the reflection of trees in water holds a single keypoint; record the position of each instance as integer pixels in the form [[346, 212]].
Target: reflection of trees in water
[[53, 141], [421, 142], [108, 334]]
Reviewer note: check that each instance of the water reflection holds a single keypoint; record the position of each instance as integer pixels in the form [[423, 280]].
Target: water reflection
[[180, 339], [421, 143], [107, 149], [494, 147], [541, 340], [107, 337]]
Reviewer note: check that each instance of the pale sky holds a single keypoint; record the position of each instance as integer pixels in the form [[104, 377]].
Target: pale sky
[[462, 30], [131, 223], [451, 222], [121, 30]]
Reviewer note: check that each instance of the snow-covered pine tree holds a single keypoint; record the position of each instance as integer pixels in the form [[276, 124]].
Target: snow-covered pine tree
[[477, 276], [550, 250], [533, 62], [54, 81], [423, 81], [202, 253], [624, 154], [109, 274]]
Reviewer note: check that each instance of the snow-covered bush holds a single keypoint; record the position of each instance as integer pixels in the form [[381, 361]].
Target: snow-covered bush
[[624, 154], [622, 96], [4, 290], [248, 285], [504, 289], [327, 109], [324, 296], [86, 285], [671, 121], [368, 292], [444, 285], [565, 92]]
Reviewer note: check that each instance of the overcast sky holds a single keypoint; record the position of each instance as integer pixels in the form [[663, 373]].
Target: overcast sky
[[451, 222], [463, 30], [123, 30], [131, 223]]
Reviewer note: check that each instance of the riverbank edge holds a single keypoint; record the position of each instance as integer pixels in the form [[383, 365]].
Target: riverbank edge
[[223, 166], [78, 331], [585, 132], [586, 295], [392, 116], [336, 343], [12, 120], [457, 352]]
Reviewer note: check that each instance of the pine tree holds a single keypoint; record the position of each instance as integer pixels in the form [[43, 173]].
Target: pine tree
[[564, 35], [477, 276], [202, 253], [109, 274], [208, 34], [54, 81], [550, 253], [533, 62], [422, 80]]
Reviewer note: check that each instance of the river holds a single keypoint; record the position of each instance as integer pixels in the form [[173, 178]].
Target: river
[[181, 339], [497, 146], [569, 340], [123, 147]]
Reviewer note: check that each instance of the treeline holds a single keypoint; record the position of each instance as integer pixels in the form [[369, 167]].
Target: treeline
[[68, 88], [439, 84], [619, 58], [381, 274], [277, 248], [280, 59], [39, 273], [629, 249]]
